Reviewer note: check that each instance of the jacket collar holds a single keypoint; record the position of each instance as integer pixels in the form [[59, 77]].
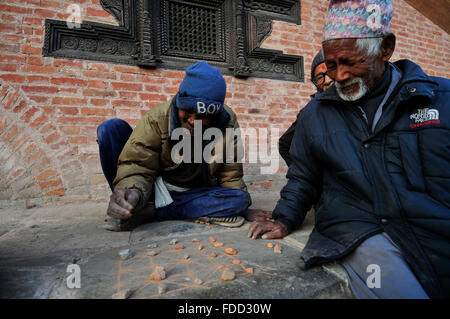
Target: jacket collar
[[414, 82]]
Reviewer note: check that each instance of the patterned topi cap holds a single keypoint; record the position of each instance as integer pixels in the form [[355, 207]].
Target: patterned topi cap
[[358, 19]]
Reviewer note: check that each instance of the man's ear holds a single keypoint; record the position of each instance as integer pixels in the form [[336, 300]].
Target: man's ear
[[388, 46]]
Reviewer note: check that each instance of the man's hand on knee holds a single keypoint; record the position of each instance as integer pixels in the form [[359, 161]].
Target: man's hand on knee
[[268, 230], [122, 202]]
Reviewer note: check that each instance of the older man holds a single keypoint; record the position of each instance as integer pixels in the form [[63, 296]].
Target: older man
[[372, 154], [322, 82], [147, 179]]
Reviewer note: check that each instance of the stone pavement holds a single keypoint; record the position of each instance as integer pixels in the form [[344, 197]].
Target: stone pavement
[[37, 245]]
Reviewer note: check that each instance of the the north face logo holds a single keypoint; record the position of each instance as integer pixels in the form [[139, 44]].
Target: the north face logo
[[424, 117]]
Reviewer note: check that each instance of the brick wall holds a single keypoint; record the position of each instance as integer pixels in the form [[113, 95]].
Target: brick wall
[[50, 108]]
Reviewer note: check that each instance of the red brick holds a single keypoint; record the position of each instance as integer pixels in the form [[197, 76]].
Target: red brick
[[35, 60], [51, 172], [68, 110], [39, 166], [8, 67], [52, 138], [39, 121], [99, 67], [44, 13], [126, 69], [37, 78], [20, 106], [70, 130], [7, 28], [13, 78], [33, 21], [56, 192], [71, 120], [77, 140], [99, 75], [128, 77], [97, 12], [39, 89], [68, 101], [68, 81], [11, 133], [152, 97], [19, 141], [97, 84], [50, 184], [125, 103], [12, 58], [50, 4], [34, 157], [39, 69], [10, 100], [17, 173], [63, 90], [128, 95], [14, 38], [98, 102], [96, 111], [29, 114], [11, 48], [100, 93], [126, 86], [38, 99], [14, 9], [28, 49], [8, 18], [69, 63]]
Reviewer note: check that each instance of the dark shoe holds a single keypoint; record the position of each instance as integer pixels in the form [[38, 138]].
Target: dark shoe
[[229, 221]]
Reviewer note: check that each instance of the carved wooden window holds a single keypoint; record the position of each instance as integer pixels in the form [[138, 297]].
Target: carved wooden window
[[175, 33]]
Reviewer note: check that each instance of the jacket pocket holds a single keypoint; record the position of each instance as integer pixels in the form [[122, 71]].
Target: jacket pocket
[[410, 153]]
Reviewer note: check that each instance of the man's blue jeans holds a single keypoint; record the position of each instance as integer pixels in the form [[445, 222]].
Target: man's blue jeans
[[204, 201]]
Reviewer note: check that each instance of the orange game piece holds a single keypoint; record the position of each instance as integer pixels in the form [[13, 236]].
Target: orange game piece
[[228, 274], [249, 270], [179, 247], [158, 274], [230, 251], [218, 244], [212, 239], [270, 245]]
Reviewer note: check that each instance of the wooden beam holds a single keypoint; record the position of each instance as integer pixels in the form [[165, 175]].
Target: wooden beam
[[438, 11]]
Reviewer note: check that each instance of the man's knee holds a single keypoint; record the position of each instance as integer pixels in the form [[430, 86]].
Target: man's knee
[[111, 127], [240, 200]]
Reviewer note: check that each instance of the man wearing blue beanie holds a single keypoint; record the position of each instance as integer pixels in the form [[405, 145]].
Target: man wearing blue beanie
[[148, 183]]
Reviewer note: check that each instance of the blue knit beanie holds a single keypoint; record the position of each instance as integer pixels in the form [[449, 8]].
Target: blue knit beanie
[[202, 91]]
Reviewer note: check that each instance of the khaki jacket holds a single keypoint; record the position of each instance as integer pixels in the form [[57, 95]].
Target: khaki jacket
[[148, 152]]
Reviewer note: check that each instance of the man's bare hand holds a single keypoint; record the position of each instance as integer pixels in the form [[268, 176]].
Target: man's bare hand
[[122, 202], [257, 215], [268, 230]]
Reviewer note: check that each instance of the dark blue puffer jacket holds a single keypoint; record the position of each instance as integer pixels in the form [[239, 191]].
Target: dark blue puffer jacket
[[393, 178]]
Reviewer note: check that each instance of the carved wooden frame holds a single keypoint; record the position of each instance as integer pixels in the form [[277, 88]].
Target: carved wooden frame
[[141, 37]]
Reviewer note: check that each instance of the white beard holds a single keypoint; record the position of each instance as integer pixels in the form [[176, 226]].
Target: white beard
[[363, 89]]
